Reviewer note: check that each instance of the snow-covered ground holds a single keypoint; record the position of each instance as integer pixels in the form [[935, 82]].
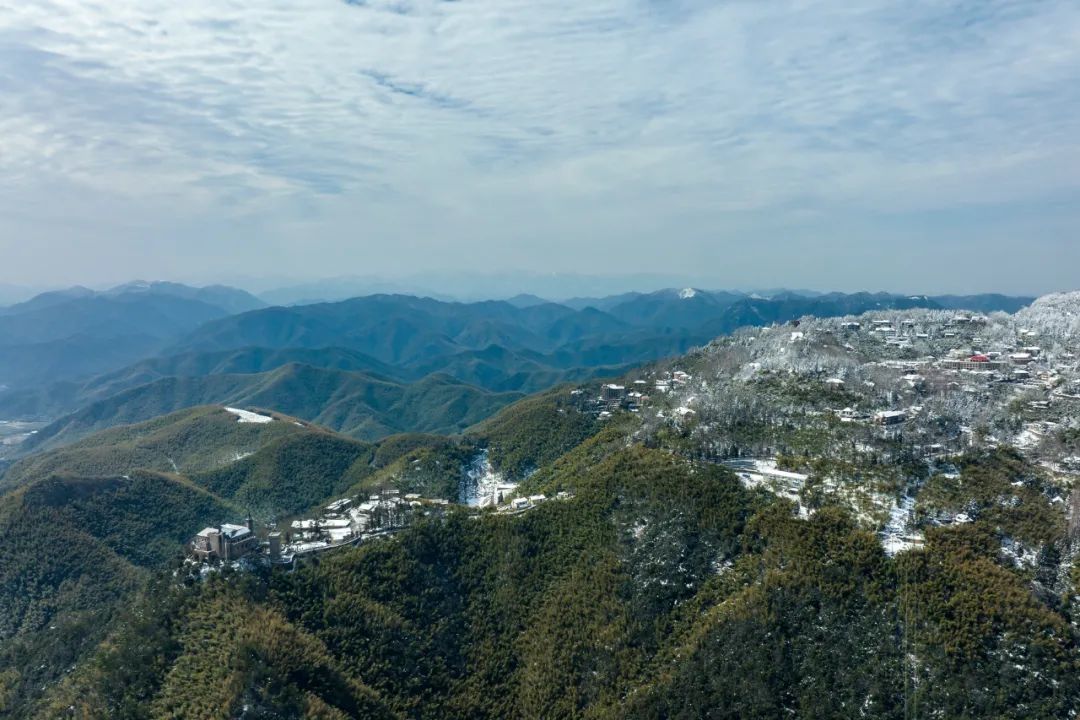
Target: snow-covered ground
[[898, 534], [482, 485], [246, 416], [762, 472], [766, 469]]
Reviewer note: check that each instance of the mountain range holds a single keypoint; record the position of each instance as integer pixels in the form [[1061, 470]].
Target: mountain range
[[357, 404], [84, 360], [79, 332], [652, 581]]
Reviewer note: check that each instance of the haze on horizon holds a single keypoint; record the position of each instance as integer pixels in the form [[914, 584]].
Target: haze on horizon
[[905, 146]]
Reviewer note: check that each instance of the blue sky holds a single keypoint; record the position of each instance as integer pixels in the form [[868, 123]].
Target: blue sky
[[913, 145]]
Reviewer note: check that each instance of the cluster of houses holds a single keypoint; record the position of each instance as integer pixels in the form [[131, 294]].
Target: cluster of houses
[[521, 504], [1022, 363], [342, 523], [632, 397]]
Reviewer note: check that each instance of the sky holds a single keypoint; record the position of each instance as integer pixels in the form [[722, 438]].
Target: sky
[[905, 145]]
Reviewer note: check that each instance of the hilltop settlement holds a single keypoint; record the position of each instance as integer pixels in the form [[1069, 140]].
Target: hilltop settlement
[[868, 411]]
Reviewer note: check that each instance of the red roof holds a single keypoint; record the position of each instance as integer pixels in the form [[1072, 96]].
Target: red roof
[[979, 358]]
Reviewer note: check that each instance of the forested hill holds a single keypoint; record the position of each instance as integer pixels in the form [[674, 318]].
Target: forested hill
[[79, 332], [663, 589], [362, 406], [85, 527], [662, 585]]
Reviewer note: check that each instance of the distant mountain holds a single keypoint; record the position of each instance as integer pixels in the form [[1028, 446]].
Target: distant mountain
[[754, 312], [160, 316], [499, 369], [684, 309], [495, 345], [600, 303], [11, 294], [343, 288], [474, 286], [78, 332], [64, 397], [48, 299], [34, 365], [391, 328], [405, 330], [525, 300], [356, 404], [491, 344], [991, 302], [229, 299], [773, 292]]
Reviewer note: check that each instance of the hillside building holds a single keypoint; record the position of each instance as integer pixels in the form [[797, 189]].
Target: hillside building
[[890, 417], [225, 542], [974, 362], [612, 392]]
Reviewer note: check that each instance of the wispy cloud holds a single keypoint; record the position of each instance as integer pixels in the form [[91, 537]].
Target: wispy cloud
[[486, 122]]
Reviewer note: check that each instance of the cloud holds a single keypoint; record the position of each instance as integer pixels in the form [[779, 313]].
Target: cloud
[[350, 119]]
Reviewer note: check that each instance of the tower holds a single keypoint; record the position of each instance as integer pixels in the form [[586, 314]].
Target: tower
[[275, 546]]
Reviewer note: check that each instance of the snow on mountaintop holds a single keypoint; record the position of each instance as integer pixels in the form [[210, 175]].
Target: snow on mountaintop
[[687, 293], [246, 416]]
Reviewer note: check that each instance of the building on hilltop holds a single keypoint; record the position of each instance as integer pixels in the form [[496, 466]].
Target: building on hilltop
[[226, 542]]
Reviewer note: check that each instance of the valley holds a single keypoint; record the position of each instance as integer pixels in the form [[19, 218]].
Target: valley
[[14, 432]]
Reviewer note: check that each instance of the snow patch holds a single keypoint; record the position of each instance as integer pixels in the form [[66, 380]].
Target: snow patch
[[246, 416], [687, 293], [482, 486], [899, 534]]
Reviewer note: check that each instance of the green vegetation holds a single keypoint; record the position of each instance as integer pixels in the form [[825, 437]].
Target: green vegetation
[[88, 524], [288, 475], [362, 406], [660, 588], [246, 659], [85, 525], [1001, 490], [413, 465], [663, 589], [534, 432], [74, 550], [193, 440]]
